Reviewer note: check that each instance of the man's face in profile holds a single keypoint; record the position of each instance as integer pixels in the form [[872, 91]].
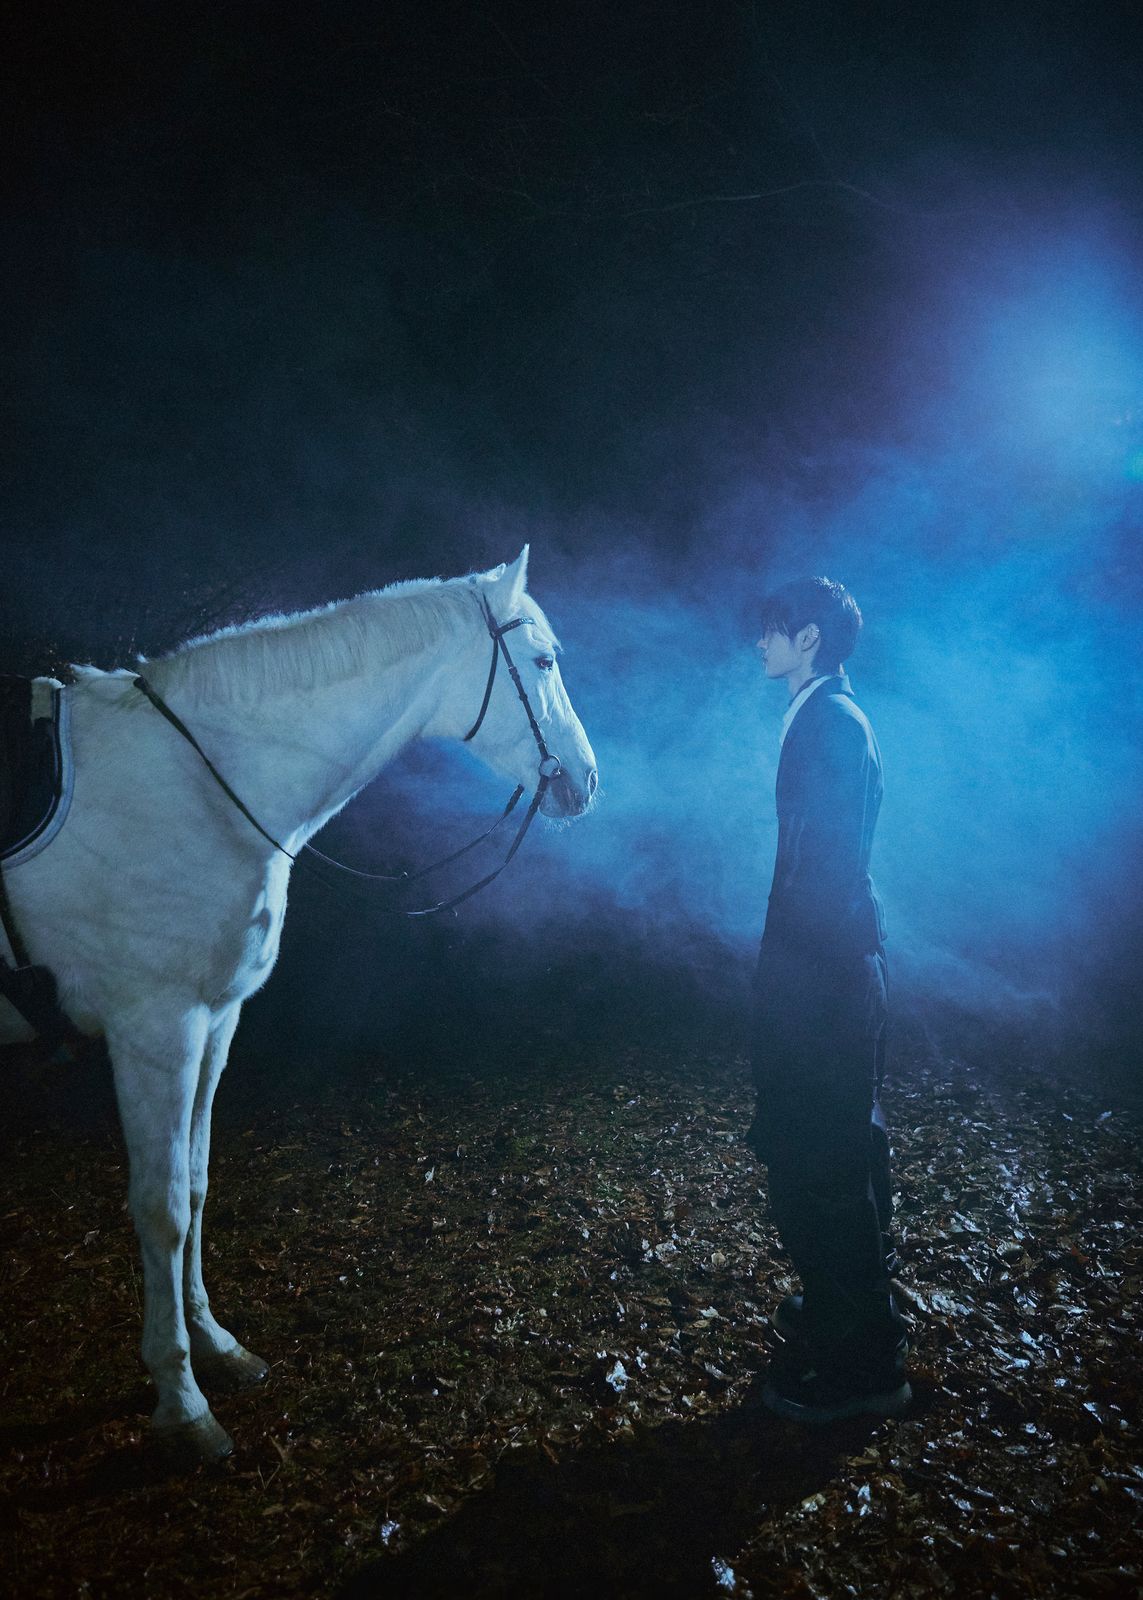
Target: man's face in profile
[[779, 657]]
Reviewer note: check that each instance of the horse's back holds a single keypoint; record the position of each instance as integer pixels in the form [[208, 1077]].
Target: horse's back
[[149, 894]]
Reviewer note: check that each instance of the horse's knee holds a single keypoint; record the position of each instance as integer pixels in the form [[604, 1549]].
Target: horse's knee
[[160, 1222]]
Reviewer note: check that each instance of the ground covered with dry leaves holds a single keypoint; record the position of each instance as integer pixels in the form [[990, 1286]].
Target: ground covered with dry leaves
[[516, 1318]]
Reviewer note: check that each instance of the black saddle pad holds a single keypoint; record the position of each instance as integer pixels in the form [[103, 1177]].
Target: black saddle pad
[[30, 766]]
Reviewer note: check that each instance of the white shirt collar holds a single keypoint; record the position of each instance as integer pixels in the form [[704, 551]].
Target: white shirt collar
[[798, 702]]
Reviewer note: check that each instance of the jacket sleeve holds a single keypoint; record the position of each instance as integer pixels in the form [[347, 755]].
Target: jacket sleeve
[[826, 861]]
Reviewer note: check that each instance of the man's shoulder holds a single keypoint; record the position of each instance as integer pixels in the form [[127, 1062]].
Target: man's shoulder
[[833, 728], [838, 712], [843, 707]]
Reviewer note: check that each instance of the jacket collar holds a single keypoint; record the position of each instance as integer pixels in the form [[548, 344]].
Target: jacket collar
[[833, 683]]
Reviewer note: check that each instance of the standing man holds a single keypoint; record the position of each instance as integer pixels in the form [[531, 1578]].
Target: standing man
[[819, 1022]]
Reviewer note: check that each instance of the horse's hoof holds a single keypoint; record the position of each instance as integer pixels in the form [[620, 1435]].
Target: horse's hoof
[[191, 1444], [231, 1370]]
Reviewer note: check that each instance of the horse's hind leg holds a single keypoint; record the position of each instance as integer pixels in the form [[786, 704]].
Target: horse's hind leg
[[156, 1063], [219, 1360]]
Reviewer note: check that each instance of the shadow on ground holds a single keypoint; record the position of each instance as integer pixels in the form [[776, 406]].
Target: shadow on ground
[[648, 1517]]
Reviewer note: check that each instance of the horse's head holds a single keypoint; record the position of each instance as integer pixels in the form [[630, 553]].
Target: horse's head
[[505, 738]]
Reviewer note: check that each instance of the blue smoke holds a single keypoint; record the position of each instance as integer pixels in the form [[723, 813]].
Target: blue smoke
[[993, 544], [978, 484]]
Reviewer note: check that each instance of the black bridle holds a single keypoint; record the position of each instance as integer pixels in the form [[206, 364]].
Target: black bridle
[[549, 770]]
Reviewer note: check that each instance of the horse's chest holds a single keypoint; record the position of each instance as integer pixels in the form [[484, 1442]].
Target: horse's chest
[[258, 937]]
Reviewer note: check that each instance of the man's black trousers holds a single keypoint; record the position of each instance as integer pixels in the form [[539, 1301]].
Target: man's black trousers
[[818, 1057]]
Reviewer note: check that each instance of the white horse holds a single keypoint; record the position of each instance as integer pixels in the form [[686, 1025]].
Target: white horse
[[159, 907]]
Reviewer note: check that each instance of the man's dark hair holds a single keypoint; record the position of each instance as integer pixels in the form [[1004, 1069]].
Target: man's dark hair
[[819, 600]]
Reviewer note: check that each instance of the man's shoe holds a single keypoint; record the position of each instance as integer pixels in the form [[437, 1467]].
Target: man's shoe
[[787, 1316], [829, 1391]]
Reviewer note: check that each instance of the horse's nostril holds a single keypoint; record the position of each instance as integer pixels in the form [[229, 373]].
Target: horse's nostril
[[592, 781]]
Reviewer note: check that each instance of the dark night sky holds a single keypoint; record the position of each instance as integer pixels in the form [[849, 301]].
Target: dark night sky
[[694, 297]]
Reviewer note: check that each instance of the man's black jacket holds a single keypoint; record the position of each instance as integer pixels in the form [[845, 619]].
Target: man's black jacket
[[829, 788]]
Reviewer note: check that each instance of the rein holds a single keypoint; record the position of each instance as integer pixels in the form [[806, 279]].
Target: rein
[[549, 770]]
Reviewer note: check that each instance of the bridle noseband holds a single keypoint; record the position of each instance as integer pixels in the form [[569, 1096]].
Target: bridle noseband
[[548, 771]]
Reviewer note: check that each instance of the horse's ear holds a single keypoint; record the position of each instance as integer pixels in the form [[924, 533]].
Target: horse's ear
[[515, 579]]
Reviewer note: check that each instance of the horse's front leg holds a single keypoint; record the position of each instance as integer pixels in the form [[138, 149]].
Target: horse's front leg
[[219, 1360], [155, 1059]]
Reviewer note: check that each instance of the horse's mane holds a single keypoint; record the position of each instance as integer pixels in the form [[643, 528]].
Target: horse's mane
[[311, 648]]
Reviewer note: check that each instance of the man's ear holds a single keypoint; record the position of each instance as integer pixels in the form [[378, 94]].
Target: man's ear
[[808, 636], [513, 581]]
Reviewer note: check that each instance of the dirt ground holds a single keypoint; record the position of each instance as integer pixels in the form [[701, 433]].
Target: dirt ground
[[516, 1313]]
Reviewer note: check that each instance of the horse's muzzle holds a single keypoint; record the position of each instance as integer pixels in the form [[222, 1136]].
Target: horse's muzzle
[[567, 797]]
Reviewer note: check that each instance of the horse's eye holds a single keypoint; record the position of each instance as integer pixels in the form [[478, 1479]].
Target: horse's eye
[[545, 663]]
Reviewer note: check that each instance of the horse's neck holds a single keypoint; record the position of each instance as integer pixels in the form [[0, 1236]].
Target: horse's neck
[[342, 736], [297, 755]]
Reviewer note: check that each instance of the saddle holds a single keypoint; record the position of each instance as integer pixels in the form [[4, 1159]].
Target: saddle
[[31, 768], [31, 790]]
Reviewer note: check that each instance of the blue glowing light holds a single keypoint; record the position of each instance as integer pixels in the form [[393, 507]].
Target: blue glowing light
[[993, 553]]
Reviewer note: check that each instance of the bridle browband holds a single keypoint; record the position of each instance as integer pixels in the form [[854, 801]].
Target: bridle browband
[[549, 770]]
